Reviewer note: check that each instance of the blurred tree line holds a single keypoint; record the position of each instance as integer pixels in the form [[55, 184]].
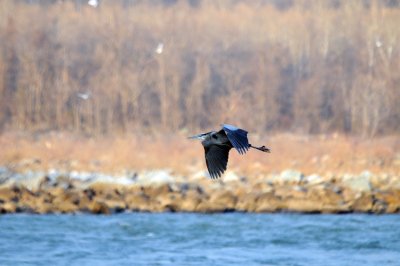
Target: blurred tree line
[[292, 65]]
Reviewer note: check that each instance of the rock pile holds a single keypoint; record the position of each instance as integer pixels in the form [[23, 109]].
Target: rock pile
[[159, 191]]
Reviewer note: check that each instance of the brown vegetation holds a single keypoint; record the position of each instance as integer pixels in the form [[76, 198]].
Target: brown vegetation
[[302, 66], [325, 155]]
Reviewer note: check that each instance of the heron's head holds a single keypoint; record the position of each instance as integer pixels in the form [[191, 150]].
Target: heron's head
[[201, 136]]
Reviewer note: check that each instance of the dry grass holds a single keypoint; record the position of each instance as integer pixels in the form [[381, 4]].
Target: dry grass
[[310, 154]]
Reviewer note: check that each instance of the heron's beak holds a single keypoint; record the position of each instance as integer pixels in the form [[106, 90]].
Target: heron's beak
[[200, 136]]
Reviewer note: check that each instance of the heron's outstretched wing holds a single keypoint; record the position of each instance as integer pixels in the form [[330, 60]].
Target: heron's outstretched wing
[[238, 138], [216, 159]]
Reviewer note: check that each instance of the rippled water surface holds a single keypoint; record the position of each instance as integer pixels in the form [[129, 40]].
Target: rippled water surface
[[195, 239]]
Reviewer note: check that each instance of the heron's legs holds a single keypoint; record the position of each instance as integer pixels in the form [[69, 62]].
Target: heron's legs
[[262, 148]]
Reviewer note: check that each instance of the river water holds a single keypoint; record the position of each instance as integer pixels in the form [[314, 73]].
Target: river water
[[200, 239]]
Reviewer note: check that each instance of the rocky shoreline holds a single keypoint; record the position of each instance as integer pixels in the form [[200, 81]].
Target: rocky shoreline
[[161, 191]]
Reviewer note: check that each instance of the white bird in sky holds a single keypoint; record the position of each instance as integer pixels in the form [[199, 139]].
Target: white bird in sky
[[378, 42], [83, 95], [160, 48], [93, 3]]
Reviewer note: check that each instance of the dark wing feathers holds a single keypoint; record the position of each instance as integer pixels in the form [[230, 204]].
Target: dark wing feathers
[[238, 138], [216, 159]]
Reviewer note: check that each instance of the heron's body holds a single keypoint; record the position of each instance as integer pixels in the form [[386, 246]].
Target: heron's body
[[216, 138], [217, 145]]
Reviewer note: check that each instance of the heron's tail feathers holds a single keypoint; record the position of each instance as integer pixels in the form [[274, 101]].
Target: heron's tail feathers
[[262, 148]]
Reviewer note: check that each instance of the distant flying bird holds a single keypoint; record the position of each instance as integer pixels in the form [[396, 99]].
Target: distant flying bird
[[378, 43], [83, 96], [160, 48], [217, 145], [93, 3]]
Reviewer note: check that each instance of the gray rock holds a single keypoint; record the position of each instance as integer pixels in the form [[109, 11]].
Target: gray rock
[[199, 175], [313, 179], [230, 176], [3, 170], [85, 178], [156, 177], [117, 179], [30, 179], [53, 174], [361, 183], [290, 176], [5, 174]]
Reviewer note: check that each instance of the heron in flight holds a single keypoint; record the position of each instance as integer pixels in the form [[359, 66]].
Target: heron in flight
[[217, 145]]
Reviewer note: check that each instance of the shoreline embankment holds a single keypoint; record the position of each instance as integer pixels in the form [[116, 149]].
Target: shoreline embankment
[[55, 191]]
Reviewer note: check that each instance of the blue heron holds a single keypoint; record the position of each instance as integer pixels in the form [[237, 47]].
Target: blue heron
[[217, 145]]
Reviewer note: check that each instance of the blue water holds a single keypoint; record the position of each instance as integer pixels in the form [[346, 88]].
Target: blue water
[[196, 239]]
